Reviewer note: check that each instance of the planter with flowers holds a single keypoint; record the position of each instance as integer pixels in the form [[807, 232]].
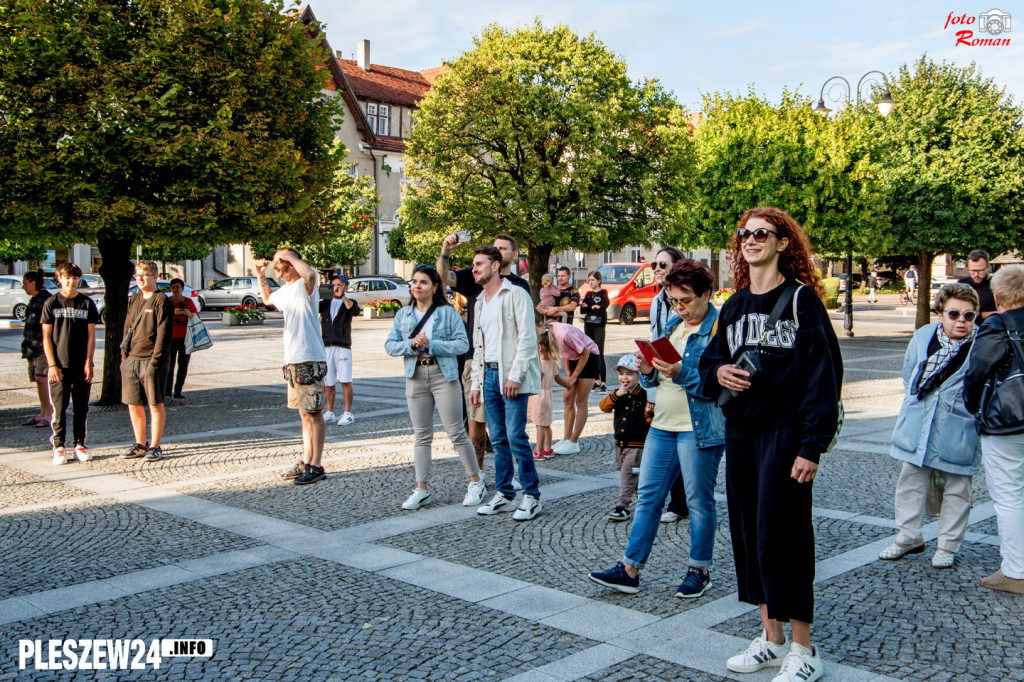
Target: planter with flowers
[[722, 295], [242, 315], [381, 309]]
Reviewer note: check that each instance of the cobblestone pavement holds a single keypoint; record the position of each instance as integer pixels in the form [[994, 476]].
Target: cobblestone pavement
[[335, 582]]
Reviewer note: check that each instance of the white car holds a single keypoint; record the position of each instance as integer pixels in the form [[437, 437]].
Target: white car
[[14, 300], [163, 285]]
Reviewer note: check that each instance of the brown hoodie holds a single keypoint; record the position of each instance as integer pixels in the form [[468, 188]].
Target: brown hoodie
[[152, 337]]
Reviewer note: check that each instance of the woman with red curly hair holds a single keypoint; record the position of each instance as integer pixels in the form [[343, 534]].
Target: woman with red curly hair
[[778, 422]]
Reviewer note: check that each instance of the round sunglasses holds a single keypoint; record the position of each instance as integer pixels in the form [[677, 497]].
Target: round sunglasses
[[954, 315], [760, 234]]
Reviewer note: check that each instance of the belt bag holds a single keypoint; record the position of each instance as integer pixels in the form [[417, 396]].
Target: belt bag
[[304, 373]]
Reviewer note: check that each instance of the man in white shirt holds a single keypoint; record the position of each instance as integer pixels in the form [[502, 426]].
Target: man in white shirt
[[304, 355], [506, 370]]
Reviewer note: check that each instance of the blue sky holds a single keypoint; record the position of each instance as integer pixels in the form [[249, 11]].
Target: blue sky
[[692, 48]]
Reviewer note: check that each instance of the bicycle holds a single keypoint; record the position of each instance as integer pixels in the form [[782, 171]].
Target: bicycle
[[908, 297]]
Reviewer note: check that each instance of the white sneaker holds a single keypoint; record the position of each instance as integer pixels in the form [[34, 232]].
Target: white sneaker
[[566, 447], [528, 509], [60, 456], [801, 665], [329, 417], [498, 503], [516, 485], [670, 517], [475, 493], [555, 445], [759, 655], [83, 455], [346, 419], [416, 500]]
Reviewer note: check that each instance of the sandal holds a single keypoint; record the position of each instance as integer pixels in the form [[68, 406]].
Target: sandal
[[31, 422], [42, 423]]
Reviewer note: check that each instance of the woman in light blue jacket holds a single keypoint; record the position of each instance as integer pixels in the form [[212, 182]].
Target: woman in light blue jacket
[[430, 335], [935, 436]]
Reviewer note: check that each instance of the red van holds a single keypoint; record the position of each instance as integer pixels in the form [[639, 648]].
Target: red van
[[631, 288]]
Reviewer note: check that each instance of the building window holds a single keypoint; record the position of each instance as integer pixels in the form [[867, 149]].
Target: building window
[[384, 120], [634, 254], [371, 116]]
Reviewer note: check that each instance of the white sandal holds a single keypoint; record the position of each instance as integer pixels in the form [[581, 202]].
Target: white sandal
[[895, 551], [943, 559]]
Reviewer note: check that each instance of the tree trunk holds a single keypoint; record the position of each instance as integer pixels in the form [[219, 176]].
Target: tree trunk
[[924, 288], [831, 268], [117, 271], [540, 256]]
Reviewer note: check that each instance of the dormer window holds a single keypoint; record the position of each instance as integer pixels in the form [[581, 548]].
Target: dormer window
[[371, 116], [383, 120]]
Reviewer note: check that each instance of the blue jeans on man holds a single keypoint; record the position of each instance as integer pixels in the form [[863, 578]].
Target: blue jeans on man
[[666, 453], [506, 423]]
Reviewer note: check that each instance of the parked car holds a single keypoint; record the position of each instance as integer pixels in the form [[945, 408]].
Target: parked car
[[364, 290], [233, 291], [858, 280], [631, 288], [163, 285], [14, 300], [91, 285], [938, 283]]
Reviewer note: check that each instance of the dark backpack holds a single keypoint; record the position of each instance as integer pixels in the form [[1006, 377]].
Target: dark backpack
[[1002, 401]]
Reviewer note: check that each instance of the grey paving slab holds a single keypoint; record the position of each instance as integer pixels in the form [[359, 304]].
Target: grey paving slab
[[63, 598], [650, 669], [19, 488], [149, 579], [363, 556], [586, 662], [228, 562], [477, 585], [535, 602], [599, 621], [17, 608]]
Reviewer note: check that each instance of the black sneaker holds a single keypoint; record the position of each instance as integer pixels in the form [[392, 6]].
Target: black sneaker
[[696, 583], [134, 452], [294, 472], [620, 513], [179, 396], [153, 454], [617, 579], [311, 474]]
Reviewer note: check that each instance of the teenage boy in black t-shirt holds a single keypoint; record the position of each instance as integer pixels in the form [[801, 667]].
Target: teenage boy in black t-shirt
[[69, 340]]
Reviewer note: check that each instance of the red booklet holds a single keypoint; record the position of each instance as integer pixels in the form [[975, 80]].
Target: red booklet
[[660, 348]]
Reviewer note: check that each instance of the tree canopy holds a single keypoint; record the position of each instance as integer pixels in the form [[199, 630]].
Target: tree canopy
[[163, 122], [541, 134]]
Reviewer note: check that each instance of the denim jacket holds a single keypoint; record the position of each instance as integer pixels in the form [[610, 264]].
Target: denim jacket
[[708, 422], [448, 340]]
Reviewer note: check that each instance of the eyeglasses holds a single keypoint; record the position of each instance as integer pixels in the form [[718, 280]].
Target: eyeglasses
[[144, 274], [955, 315], [978, 272], [760, 234], [679, 301], [663, 264]]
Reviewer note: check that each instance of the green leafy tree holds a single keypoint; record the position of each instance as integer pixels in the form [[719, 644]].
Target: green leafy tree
[[540, 133], [950, 157], [162, 122], [11, 251], [752, 152]]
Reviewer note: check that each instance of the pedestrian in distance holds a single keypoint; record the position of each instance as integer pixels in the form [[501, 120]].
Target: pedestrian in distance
[[978, 278], [628, 405], [429, 335], [594, 307], [69, 321], [32, 346], [935, 436], [567, 300], [580, 358], [686, 435], [776, 354], [910, 279], [548, 295], [336, 316], [506, 371], [184, 310], [994, 393], [540, 407], [873, 287], [305, 358]]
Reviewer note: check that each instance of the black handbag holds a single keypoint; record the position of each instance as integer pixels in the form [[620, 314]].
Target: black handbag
[[1002, 401]]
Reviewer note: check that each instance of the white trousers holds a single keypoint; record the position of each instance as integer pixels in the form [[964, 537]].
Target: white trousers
[[911, 491], [1003, 457]]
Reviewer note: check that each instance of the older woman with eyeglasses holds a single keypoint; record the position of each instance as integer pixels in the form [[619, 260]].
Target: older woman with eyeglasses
[[687, 435], [935, 435]]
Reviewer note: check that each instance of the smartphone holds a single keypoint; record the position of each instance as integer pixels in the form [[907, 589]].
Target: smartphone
[[463, 236]]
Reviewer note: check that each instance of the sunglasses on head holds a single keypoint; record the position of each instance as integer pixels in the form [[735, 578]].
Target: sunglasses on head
[[955, 315], [760, 234]]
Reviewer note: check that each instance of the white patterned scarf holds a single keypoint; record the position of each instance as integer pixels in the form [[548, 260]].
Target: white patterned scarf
[[948, 348]]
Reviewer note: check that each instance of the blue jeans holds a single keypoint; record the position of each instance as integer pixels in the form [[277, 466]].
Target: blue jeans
[[506, 423], [666, 453]]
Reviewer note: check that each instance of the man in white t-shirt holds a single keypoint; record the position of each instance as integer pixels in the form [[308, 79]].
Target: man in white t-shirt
[[305, 359]]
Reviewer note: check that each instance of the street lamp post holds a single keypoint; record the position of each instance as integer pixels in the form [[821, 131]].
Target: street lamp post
[[885, 106]]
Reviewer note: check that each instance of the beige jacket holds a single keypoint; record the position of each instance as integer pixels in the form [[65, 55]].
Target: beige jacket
[[518, 337]]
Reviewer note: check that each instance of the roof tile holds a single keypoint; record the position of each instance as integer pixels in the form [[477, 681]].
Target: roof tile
[[386, 83]]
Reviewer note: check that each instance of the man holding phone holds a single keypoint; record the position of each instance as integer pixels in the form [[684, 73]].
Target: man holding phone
[[462, 282]]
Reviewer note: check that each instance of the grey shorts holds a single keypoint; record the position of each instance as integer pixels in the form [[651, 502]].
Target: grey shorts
[[37, 368], [142, 383]]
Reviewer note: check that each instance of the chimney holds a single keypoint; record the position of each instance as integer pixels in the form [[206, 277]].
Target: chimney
[[363, 54]]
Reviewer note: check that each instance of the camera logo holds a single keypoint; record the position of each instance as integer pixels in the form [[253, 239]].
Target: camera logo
[[994, 22]]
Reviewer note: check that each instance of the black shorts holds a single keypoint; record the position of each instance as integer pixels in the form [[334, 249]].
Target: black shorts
[[589, 370]]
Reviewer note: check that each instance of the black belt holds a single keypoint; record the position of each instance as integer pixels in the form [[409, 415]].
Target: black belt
[[426, 362], [491, 365]]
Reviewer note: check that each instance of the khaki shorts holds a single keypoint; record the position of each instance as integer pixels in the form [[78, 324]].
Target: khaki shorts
[[142, 383], [476, 414], [306, 397], [37, 367]]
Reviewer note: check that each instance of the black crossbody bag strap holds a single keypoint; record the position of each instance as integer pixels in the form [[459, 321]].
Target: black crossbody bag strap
[[1011, 331], [423, 321], [780, 305]]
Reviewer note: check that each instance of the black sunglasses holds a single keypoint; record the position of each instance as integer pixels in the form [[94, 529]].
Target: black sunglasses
[[955, 315], [663, 264], [760, 234]]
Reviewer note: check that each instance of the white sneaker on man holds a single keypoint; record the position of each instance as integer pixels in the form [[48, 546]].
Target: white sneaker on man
[[345, 419], [475, 493], [329, 418], [498, 503], [416, 500], [528, 509], [759, 655], [801, 665], [59, 456], [566, 447]]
